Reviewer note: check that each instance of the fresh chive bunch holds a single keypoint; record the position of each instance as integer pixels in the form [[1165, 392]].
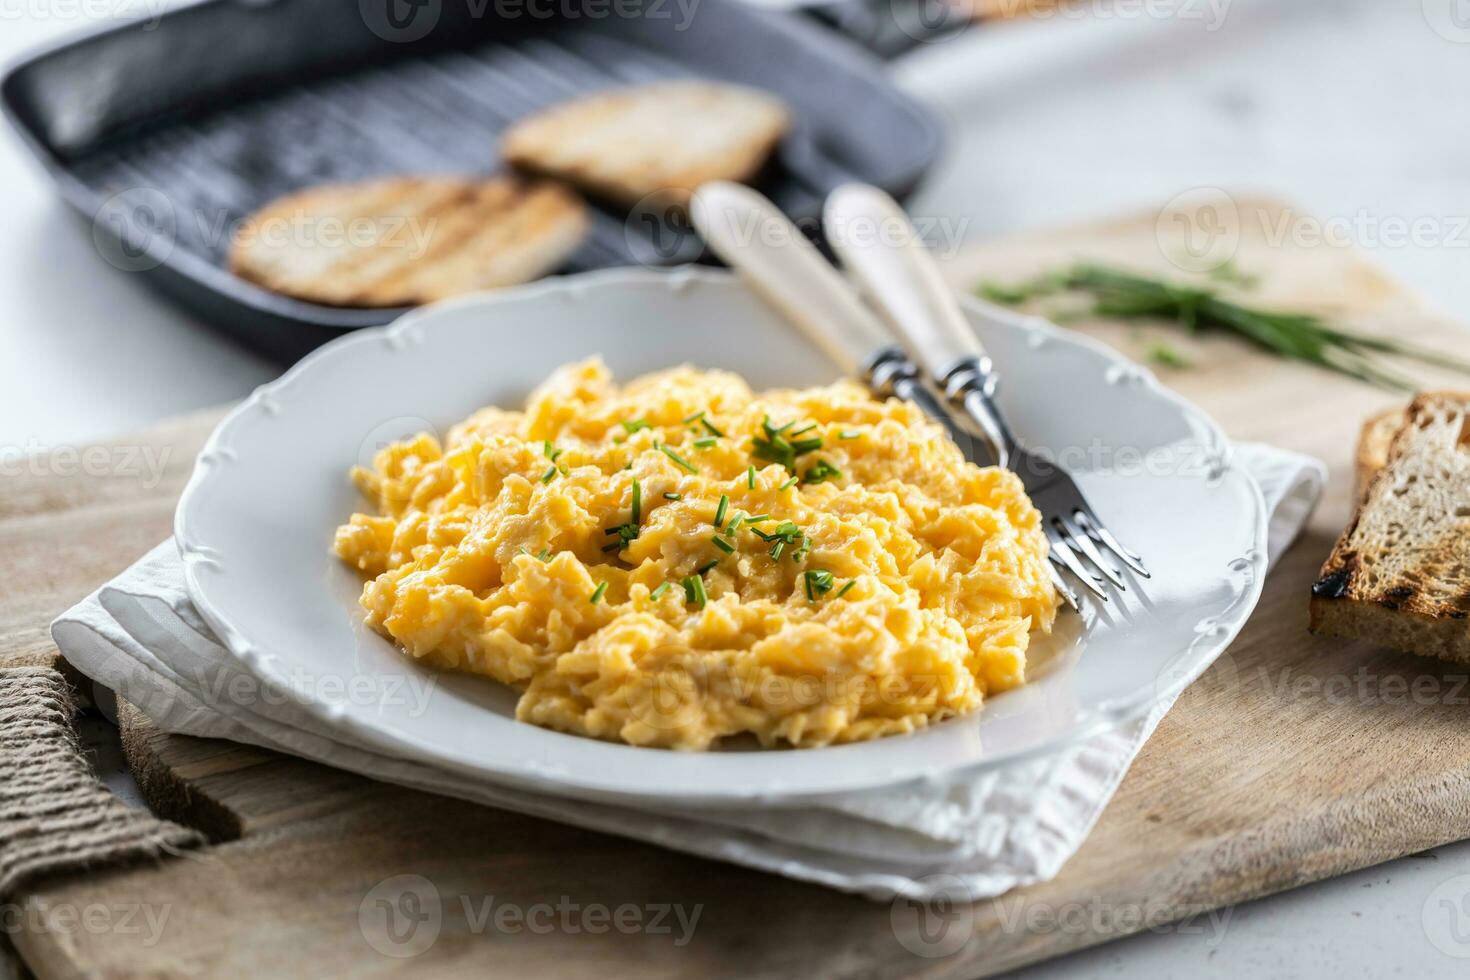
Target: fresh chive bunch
[[1298, 336]]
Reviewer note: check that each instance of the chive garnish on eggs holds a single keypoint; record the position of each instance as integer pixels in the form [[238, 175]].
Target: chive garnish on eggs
[[777, 446], [817, 581], [821, 472], [598, 592], [683, 463], [720, 510]]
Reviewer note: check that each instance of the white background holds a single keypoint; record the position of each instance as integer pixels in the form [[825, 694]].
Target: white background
[[1354, 109]]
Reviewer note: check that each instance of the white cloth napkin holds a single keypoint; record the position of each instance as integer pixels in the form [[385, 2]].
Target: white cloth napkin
[[980, 836]]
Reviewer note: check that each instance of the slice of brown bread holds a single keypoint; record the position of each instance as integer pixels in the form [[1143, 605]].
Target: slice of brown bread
[[1399, 575], [661, 140], [1373, 443], [408, 240]]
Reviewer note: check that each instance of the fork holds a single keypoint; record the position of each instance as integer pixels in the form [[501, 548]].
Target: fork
[[903, 280], [755, 238]]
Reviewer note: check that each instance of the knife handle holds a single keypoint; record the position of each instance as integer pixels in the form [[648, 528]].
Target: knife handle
[[775, 259]]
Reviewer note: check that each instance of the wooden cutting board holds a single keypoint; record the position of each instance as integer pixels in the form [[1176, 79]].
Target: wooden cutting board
[[1294, 759]]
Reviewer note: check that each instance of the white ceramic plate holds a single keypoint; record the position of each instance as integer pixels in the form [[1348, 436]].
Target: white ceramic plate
[[256, 522]]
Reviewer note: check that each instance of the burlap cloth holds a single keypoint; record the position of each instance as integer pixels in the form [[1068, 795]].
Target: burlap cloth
[[55, 816]]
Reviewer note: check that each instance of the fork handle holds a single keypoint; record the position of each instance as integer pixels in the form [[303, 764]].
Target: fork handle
[[775, 259], [879, 246], [784, 269]]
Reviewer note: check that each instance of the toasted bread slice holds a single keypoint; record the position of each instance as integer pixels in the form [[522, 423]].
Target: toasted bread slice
[[1400, 574], [657, 141], [1373, 442], [406, 241]]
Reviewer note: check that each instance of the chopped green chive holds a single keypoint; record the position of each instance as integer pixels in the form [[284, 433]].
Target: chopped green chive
[[549, 475], [628, 532], [706, 566], [636, 425], [598, 592], [720, 510], [846, 588], [673, 496], [734, 524], [680, 460], [694, 590], [723, 545], [790, 483], [799, 555], [784, 534], [821, 472], [757, 518], [816, 581], [848, 434], [690, 418], [750, 477], [550, 451], [658, 593], [705, 443], [710, 427], [776, 446], [802, 431]]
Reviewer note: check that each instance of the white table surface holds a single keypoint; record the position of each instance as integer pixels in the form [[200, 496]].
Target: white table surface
[[1352, 108]]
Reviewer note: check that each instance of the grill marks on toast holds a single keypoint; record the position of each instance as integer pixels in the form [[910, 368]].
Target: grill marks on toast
[[1400, 573], [407, 241]]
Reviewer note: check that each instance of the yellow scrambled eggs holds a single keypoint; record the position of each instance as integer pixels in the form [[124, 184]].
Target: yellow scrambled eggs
[[680, 560]]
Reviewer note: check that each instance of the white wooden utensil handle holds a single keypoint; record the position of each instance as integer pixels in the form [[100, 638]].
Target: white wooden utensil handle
[[776, 260], [880, 247]]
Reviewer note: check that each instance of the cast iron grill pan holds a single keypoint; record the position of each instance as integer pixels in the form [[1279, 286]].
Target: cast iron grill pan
[[165, 139]]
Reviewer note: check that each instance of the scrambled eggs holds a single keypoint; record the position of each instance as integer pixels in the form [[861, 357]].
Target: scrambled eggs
[[679, 560]]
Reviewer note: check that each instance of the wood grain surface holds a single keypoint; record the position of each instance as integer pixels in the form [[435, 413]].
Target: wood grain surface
[[1293, 759]]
